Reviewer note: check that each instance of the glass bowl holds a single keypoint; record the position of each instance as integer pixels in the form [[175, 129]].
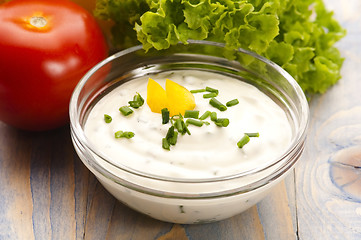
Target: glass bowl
[[191, 200]]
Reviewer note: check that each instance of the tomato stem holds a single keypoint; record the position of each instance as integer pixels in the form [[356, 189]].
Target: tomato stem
[[38, 22]]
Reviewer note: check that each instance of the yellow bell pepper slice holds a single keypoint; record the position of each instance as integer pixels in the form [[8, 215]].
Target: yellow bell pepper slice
[[156, 96], [175, 97]]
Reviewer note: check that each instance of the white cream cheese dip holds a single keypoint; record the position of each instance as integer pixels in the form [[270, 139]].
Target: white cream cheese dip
[[210, 150], [209, 153]]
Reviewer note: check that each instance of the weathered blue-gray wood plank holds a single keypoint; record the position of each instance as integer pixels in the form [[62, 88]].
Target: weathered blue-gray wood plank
[[328, 188]]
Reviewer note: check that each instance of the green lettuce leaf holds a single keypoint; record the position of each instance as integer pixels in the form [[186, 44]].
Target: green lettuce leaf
[[299, 35]]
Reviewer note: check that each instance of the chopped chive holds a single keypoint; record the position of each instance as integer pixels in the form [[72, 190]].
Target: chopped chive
[[165, 144], [252, 134], [213, 116], [186, 130], [173, 139], [137, 102], [139, 98], [170, 139], [170, 132], [197, 90], [222, 122], [118, 134], [194, 122], [217, 104], [125, 110], [205, 115], [172, 121], [244, 140], [107, 118], [121, 134], [181, 209], [232, 103], [213, 90], [134, 104], [178, 125], [191, 114], [210, 95], [128, 134], [165, 115]]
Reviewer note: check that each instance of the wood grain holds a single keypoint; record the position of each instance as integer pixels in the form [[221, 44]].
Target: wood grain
[[47, 193], [15, 202], [328, 191]]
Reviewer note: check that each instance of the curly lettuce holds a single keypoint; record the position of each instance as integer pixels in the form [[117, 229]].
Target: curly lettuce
[[299, 35]]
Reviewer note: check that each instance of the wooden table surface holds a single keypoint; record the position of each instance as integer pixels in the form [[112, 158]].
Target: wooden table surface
[[47, 193]]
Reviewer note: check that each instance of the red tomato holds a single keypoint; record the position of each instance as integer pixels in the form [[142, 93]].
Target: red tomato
[[45, 49]]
